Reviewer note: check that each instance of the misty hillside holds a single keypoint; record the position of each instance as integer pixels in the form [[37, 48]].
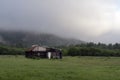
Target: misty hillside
[[26, 39]]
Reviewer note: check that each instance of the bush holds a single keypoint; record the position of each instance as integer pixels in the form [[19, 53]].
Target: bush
[[89, 51], [5, 50]]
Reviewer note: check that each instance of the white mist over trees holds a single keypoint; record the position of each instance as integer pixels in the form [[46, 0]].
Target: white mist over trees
[[89, 20]]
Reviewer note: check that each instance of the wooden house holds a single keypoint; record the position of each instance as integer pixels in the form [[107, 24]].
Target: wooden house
[[43, 52]]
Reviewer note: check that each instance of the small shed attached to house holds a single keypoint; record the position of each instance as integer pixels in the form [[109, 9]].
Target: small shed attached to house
[[43, 52]]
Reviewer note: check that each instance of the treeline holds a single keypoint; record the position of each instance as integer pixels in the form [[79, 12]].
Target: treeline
[[92, 49], [7, 50], [100, 45], [87, 49]]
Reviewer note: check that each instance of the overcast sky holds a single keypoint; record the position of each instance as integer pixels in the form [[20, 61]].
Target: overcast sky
[[88, 20]]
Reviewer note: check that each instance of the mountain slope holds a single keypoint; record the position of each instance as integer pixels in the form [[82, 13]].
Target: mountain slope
[[20, 38]]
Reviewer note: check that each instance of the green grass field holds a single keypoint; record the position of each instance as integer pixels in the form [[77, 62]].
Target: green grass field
[[69, 68]]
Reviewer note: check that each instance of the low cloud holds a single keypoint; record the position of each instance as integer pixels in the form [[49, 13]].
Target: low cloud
[[89, 20]]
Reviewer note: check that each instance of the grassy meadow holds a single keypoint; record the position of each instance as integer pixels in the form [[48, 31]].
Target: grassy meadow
[[69, 68]]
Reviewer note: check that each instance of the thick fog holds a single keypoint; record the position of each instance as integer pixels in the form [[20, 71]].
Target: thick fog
[[88, 20]]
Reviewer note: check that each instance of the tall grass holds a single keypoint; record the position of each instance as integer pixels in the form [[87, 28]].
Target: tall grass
[[69, 68]]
